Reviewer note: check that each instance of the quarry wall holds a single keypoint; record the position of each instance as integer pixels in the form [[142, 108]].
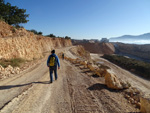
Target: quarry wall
[[100, 48], [24, 44]]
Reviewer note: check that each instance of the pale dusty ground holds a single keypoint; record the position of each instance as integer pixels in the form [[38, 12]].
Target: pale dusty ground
[[73, 92]]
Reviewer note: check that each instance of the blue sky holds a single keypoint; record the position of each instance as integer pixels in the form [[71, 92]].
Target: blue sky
[[87, 19]]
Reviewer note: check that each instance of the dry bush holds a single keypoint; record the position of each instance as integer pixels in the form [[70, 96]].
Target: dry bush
[[14, 62]]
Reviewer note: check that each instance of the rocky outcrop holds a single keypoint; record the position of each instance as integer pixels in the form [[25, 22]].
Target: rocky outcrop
[[114, 83], [24, 44]]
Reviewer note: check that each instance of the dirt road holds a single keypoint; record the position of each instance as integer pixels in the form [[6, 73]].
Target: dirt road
[[73, 92]]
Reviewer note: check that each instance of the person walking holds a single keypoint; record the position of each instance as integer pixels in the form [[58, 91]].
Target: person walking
[[63, 56], [52, 63]]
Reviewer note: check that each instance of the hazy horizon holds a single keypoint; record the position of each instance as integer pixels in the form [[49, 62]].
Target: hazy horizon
[[135, 42]]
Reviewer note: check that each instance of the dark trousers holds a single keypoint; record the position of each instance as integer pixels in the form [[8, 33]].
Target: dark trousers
[[51, 70]]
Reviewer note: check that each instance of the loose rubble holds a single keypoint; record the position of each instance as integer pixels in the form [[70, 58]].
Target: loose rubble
[[8, 71], [133, 95]]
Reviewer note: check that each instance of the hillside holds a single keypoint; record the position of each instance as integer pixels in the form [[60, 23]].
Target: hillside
[[139, 39], [101, 48], [24, 44], [140, 52]]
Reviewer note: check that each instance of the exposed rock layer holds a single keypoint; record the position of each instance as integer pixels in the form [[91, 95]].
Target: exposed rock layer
[[24, 44]]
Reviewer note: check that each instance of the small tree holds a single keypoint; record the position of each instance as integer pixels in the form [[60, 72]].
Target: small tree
[[67, 37], [12, 14], [51, 35], [34, 31], [40, 33]]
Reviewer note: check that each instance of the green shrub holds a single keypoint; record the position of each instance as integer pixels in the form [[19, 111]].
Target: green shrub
[[1, 18], [140, 68], [12, 14], [15, 62]]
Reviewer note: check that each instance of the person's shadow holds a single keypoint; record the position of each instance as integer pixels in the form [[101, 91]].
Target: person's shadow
[[20, 85]]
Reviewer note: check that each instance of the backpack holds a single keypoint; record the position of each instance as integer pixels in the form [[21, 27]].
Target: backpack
[[52, 61]]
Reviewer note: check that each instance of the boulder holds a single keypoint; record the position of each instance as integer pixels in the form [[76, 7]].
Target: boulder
[[145, 104], [112, 81]]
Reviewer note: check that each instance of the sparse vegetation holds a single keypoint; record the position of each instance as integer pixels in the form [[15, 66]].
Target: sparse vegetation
[[35, 32], [1, 19], [67, 37], [51, 35], [15, 62], [138, 67], [54, 36]]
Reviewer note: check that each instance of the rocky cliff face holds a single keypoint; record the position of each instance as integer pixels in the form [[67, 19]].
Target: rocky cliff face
[[24, 44]]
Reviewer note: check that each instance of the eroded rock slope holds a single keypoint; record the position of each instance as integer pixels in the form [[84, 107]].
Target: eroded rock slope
[[24, 44]]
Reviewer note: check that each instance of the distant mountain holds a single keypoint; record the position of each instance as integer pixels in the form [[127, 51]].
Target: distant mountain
[[140, 39]]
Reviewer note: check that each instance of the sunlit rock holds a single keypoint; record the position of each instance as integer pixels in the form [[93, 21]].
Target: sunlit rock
[[112, 81], [145, 104]]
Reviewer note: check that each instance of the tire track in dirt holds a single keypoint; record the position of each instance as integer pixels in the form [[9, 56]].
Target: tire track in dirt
[[15, 86], [82, 100]]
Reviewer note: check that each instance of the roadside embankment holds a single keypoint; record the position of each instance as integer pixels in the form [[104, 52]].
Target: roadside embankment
[[21, 43]]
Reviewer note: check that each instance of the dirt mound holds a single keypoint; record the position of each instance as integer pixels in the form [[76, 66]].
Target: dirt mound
[[101, 48], [81, 52]]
